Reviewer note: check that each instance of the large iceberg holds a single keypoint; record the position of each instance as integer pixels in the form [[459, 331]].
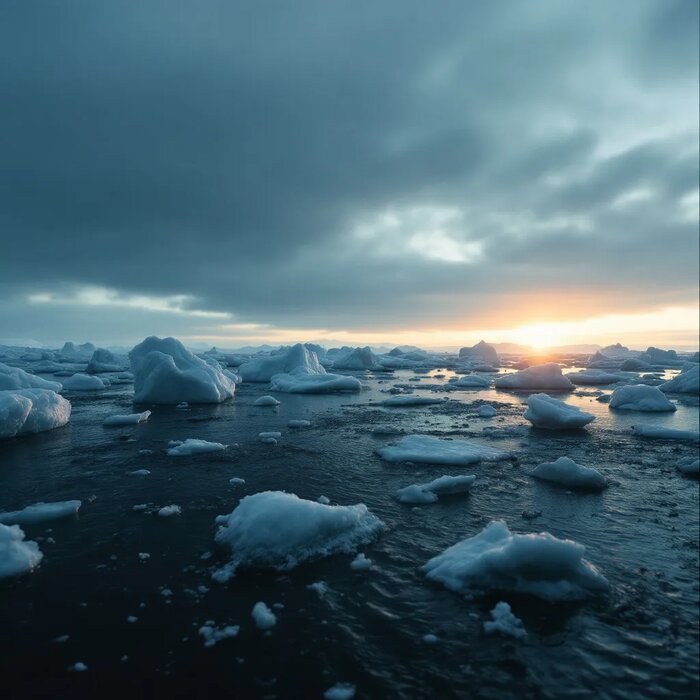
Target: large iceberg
[[425, 449], [566, 472], [482, 353], [166, 372], [640, 397], [545, 412], [31, 411], [547, 377], [298, 359], [299, 381], [17, 555], [687, 382], [280, 530], [16, 378], [534, 564]]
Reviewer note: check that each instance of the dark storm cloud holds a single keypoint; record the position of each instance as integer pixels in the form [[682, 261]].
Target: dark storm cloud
[[229, 151]]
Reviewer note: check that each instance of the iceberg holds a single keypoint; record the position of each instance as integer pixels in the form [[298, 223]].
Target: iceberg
[[425, 449], [357, 359], [593, 377], [482, 353], [687, 382], [83, 382], [31, 411], [104, 361], [545, 412], [547, 377], [279, 530], [536, 564], [165, 372], [566, 472], [640, 397], [432, 490], [40, 512], [15, 378], [17, 555], [298, 358]]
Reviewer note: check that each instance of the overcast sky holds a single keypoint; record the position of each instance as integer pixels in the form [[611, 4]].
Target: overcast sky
[[236, 171]]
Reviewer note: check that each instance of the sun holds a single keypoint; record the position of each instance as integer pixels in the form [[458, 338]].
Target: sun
[[541, 336]]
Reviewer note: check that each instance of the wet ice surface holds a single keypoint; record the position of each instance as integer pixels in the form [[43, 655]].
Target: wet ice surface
[[367, 627]]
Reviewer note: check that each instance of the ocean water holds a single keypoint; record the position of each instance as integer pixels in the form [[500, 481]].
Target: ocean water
[[640, 640]]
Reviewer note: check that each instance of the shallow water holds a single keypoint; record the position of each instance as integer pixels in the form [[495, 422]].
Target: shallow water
[[641, 640]]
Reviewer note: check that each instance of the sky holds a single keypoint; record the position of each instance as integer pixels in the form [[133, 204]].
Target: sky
[[360, 172]]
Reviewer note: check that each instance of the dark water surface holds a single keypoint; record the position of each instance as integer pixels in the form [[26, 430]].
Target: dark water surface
[[641, 640]]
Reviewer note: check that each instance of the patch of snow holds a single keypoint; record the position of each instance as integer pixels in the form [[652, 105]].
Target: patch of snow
[[535, 564], [280, 530]]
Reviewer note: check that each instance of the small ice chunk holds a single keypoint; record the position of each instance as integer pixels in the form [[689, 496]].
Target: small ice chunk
[[236, 481], [212, 635], [361, 563], [127, 419], [324, 500], [264, 618], [40, 512], [193, 446], [266, 401], [270, 435], [140, 472], [78, 666], [17, 555], [432, 490], [132, 619], [430, 638], [545, 412], [319, 587], [299, 423], [143, 556], [486, 411], [167, 511], [426, 449], [472, 381], [566, 472], [505, 622], [340, 691]]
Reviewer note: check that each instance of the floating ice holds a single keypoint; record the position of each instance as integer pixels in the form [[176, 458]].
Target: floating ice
[[361, 563], [659, 432], [357, 359], [140, 472], [505, 622], [167, 511], [640, 397], [566, 472], [593, 377], [481, 352], [165, 372], [432, 490], [426, 449], [264, 618], [104, 361], [340, 691], [300, 382], [280, 530], [31, 411], [266, 401], [545, 412], [212, 635], [236, 481], [298, 357], [193, 446], [40, 512], [299, 423], [687, 382], [12, 378], [689, 465], [474, 381], [536, 564], [83, 382], [17, 556], [270, 435], [547, 377], [412, 400], [486, 411], [127, 419]]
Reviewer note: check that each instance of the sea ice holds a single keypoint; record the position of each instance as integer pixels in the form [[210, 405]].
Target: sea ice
[[640, 397], [547, 377], [266, 401], [566, 472], [166, 372], [475, 381], [83, 382], [299, 423], [426, 449], [104, 361], [687, 382], [280, 530], [505, 622], [545, 412], [299, 381], [40, 512], [167, 511], [264, 618], [17, 555], [486, 411], [432, 490], [536, 564], [12, 378], [127, 419], [412, 400], [193, 446], [361, 563], [32, 411], [212, 635], [659, 432], [298, 357], [340, 691]]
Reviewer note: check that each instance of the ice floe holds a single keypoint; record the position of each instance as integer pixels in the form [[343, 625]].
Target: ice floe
[[430, 492], [426, 449], [504, 622], [17, 555], [193, 446], [566, 472], [166, 372], [40, 512], [212, 634], [300, 382], [127, 419], [640, 397], [361, 563], [545, 412], [167, 511], [547, 376], [280, 530], [498, 560], [32, 411]]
